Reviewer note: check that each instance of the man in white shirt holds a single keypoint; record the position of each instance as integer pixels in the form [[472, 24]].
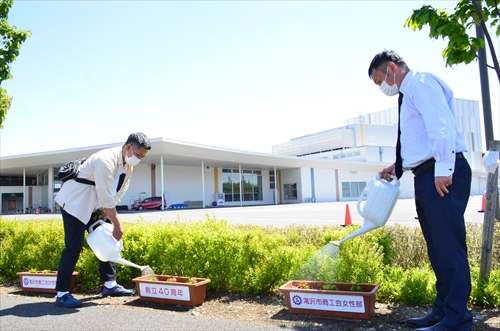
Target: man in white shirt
[[110, 171], [430, 145]]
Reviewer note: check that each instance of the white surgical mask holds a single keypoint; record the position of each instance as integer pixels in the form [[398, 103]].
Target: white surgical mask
[[132, 160], [387, 89]]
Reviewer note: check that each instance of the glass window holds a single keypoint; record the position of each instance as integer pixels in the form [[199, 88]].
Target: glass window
[[17, 181], [290, 191], [352, 189], [247, 187], [251, 183], [346, 190]]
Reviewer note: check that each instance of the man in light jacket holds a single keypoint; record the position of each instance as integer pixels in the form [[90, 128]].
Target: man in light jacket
[[110, 170]]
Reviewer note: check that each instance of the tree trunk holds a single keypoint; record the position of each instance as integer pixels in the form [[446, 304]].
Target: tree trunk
[[489, 218]]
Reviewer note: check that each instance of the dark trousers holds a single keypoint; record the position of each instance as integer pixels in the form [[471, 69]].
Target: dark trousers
[[443, 225], [74, 232]]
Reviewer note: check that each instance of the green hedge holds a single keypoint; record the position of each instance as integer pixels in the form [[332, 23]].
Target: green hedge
[[254, 259]]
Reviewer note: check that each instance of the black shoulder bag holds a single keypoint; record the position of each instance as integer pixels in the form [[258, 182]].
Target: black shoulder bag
[[71, 170]]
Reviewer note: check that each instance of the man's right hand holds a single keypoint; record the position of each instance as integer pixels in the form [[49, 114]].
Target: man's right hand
[[387, 172], [112, 215], [117, 232]]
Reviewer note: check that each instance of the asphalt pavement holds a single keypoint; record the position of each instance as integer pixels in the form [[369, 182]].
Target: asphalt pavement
[[318, 213], [26, 313]]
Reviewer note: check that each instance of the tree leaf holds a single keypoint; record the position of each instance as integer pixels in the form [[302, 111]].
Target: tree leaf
[[462, 47]]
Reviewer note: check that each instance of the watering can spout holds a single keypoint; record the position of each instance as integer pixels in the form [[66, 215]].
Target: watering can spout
[[367, 226], [121, 260], [145, 269]]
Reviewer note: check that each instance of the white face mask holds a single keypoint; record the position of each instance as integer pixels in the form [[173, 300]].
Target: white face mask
[[132, 160], [387, 89]]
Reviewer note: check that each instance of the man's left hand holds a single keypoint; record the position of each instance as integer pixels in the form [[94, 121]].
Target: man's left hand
[[442, 184]]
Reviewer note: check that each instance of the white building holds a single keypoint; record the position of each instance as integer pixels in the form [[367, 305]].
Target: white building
[[333, 165]]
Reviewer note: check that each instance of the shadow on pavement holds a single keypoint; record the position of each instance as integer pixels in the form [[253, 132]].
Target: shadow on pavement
[[37, 309], [158, 306]]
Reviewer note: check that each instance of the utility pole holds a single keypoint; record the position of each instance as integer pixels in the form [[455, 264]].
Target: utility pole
[[489, 219]]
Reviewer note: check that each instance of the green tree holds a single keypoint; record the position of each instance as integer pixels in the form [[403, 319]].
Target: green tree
[[462, 48], [11, 40]]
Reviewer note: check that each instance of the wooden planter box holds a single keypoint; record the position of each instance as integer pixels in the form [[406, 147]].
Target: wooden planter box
[[40, 281], [175, 293], [340, 303]]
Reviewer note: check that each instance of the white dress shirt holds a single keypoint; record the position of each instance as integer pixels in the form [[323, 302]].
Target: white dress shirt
[[103, 167], [428, 123]]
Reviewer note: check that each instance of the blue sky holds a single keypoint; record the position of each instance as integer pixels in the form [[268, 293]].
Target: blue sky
[[242, 75]]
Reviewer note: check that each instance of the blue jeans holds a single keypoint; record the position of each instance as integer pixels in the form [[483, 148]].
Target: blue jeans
[[74, 232], [443, 225]]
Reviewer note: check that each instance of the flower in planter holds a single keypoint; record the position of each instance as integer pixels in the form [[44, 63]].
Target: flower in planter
[[191, 281], [152, 278], [172, 280], [303, 285], [330, 287], [356, 288]]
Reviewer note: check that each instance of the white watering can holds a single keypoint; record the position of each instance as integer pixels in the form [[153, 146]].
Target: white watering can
[[106, 247], [381, 198]]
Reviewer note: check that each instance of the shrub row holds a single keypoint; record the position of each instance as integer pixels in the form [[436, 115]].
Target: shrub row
[[254, 259]]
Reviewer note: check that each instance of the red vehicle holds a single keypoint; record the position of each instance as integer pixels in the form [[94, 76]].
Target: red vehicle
[[150, 203]]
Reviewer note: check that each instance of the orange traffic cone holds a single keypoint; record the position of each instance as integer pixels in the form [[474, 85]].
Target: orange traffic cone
[[348, 220], [36, 211], [483, 207]]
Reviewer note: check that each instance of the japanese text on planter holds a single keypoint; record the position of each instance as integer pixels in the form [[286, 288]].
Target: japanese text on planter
[[347, 303], [165, 291], [40, 282]]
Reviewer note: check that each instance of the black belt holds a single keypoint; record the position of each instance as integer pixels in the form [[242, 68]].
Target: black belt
[[428, 164]]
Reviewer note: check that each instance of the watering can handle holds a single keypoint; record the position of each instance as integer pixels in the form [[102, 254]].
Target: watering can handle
[[395, 180], [93, 226]]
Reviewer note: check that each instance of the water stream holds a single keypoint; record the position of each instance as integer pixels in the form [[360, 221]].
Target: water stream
[[147, 271], [321, 266]]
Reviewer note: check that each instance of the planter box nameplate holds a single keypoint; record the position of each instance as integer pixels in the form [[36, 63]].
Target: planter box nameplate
[[340, 302], [48, 282], [332, 302], [173, 292], [44, 282]]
